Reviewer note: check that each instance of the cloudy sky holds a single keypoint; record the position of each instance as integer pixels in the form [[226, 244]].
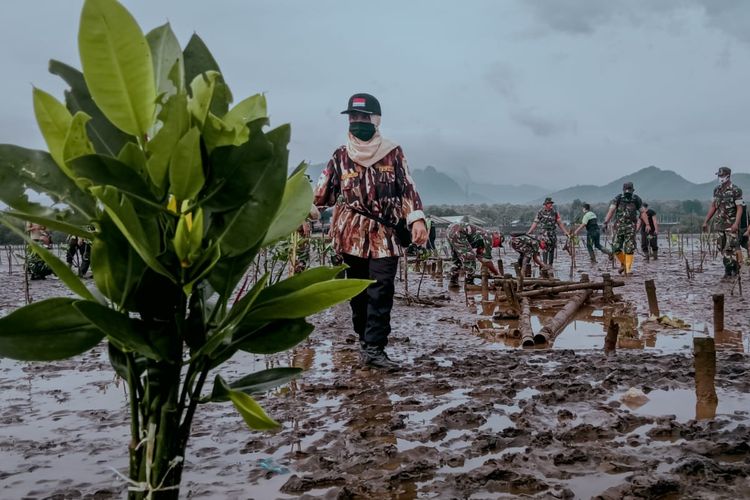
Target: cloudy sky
[[549, 92]]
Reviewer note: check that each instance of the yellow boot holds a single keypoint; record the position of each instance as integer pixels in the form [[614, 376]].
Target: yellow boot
[[629, 263], [621, 257]]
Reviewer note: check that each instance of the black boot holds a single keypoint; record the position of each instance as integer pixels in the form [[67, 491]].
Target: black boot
[[376, 357], [592, 255]]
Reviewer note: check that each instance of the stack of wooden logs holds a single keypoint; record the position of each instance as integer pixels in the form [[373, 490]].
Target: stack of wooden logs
[[513, 299]]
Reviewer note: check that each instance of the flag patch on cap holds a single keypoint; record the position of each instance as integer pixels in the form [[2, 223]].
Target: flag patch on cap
[[358, 102]]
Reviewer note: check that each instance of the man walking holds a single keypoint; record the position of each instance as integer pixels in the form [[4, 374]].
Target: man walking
[[548, 220], [626, 208], [592, 232], [727, 206], [649, 232]]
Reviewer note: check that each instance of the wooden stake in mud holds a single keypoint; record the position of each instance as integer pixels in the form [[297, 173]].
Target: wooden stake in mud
[[607, 294], [718, 312], [440, 268], [610, 341], [653, 305], [485, 283], [519, 276], [500, 269], [706, 402]]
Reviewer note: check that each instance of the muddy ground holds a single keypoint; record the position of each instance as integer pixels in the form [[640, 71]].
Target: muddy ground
[[469, 416]]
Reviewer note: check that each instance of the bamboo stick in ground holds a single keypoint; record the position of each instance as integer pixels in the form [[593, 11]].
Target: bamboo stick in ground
[[554, 326], [524, 324]]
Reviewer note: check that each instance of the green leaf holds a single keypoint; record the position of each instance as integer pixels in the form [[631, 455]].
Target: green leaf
[[309, 300], [126, 333], [186, 167], [198, 59], [217, 133], [77, 141], [165, 54], [175, 118], [300, 281], [276, 336], [237, 169], [118, 266], [47, 330], [107, 171], [201, 94], [107, 138], [134, 157], [294, 209], [58, 267], [251, 411], [123, 214], [54, 120], [52, 224], [247, 110], [228, 271], [117, 65], [255, 383]]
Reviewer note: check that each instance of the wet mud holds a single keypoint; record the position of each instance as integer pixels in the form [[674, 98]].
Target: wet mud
[[470, 415]]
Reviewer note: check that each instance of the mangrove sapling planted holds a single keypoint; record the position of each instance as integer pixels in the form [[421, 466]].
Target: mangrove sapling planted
[[178, 191]]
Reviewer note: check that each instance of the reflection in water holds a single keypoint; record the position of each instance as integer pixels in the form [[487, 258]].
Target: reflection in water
[[727, 340], [705, 373]]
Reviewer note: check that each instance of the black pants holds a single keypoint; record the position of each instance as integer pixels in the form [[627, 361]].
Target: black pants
[[371, 309], [593, 241], [648, 241]]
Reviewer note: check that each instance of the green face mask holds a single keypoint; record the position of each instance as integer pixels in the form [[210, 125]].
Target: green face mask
[[362, 130]]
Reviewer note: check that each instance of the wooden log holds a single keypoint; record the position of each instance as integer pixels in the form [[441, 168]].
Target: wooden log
[[555, 325], [718, 312], [485, 284], [653, 304], [510, 296], [519, 276], [610, 341], [524, 324], [440, 267], [500, 269], [706, 402], [607, 293], [570, 288]]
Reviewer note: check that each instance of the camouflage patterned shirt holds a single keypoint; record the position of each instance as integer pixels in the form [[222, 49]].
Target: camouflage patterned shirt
[[525, 244], [385, 190], [547, 220], [627, 211], [726, 198], [479, 239]]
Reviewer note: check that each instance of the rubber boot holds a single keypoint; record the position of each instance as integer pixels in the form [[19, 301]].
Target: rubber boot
[[592, 255], [655, 254], [621, 257], [376, 357], [629, 263]]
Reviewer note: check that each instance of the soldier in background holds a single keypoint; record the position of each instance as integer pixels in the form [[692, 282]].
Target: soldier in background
[[649, 234], [592, 232], [468, 244], [727, 206], [528, 249], [35, 266], [548, 220], [626, 209]]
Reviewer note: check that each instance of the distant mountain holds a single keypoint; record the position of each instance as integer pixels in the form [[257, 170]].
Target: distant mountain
[[651, 183]]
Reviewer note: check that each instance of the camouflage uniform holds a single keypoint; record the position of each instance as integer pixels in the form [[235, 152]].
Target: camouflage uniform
[[626, 218], [527, 246], [302, 251], [546, 221], [726, 198], [468, 242], [82, 248]]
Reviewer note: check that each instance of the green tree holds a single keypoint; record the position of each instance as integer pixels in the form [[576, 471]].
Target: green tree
[[181, 191]]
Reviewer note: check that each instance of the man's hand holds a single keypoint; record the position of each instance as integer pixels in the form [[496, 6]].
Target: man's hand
[[419, 233], [734, 228]]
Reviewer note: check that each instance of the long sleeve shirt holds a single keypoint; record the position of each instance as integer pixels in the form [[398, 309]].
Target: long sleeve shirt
[[385, 190]]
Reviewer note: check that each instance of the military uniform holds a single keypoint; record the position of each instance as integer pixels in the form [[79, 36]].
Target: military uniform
[[527, 246], [468, 242], [547, 221], [627, 212], [35, 265], [726, 199]]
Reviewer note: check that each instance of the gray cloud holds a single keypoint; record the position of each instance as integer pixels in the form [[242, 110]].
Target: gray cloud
[[541, 126]]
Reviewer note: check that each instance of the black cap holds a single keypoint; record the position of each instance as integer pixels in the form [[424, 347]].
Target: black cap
[[628, 186], [724, 171], [362, 103], [548, 200]]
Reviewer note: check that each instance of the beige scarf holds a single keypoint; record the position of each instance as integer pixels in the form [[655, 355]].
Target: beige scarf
[[370, 152]]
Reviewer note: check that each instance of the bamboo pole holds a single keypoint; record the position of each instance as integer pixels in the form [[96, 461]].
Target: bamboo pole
[[718, 312], [653, 304], [610, 341], [524, 324], [555, 325], [706, 402]]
